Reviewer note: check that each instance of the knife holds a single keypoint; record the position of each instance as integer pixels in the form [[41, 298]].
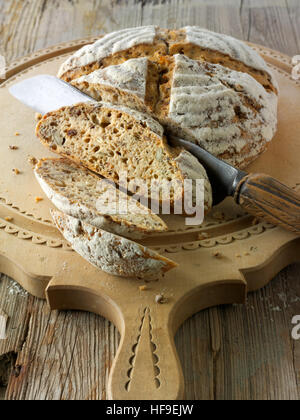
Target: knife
[[260, 195]]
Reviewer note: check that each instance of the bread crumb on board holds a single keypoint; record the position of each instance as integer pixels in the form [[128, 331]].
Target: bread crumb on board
[[143, 288], [12, 147], [17, 133], [32, 160], [38, 199], [217, 254], [160, 299], [38, 116], [16, 171], [8, 219]]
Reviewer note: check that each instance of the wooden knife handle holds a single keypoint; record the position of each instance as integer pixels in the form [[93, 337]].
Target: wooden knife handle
[[268, 199]]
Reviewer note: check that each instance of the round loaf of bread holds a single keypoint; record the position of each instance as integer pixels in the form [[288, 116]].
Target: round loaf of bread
[[208, 88]]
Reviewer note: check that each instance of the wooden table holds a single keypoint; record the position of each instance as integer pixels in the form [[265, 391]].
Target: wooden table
[[230, 352]]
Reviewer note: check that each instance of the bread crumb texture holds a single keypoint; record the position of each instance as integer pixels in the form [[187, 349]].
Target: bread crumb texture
[[112, 140], [80, 193]]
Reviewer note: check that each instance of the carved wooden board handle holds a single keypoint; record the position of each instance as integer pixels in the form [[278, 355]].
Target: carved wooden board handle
[[146, 366], [268, 199]]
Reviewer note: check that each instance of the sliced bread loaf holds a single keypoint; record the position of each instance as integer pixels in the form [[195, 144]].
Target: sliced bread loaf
[[109, 252], [112, 140], [76, 191], [226, 112]]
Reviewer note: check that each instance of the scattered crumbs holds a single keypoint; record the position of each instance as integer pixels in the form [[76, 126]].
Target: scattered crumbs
[[17, 133], [203, 235], [13, 147], [32, 160], [16, 171], [160, 299], [15, 289], [238, 256], [276, 309], [217, 254], [253, 248], [143, 288], [8, 219], [246, 254], [38, 199], [38, 116]]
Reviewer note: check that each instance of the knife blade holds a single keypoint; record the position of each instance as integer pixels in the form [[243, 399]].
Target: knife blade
[[223, 177], [45, 93]]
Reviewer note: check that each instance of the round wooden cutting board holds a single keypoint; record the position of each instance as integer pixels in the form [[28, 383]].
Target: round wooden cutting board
[[219, 262]]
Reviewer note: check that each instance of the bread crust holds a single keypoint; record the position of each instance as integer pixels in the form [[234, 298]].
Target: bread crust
[[111, 253], [141, 147], [153, 42], [77, 192], [226, 112]]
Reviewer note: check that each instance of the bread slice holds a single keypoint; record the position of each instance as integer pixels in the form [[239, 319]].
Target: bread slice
[[112, 140], [226, 112], [76, 191], [109, 252]]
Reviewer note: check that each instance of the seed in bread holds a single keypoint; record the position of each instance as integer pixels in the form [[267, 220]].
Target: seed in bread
[[109, 252], [112, 140], [76, 191]]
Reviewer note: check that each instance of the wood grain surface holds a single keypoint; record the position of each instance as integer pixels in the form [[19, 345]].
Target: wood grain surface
[[230, 352], [266, 198]]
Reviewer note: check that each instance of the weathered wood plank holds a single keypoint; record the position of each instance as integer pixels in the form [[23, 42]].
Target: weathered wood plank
[[267, 22], [66, 355], [242, 352]]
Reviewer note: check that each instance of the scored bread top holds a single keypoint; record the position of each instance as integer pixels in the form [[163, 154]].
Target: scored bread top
[[111, 253], [129, 76], [153, 42], [78, 192], [226, 112], [199, 43], [112, 140], [132, 83], [110, 44]]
